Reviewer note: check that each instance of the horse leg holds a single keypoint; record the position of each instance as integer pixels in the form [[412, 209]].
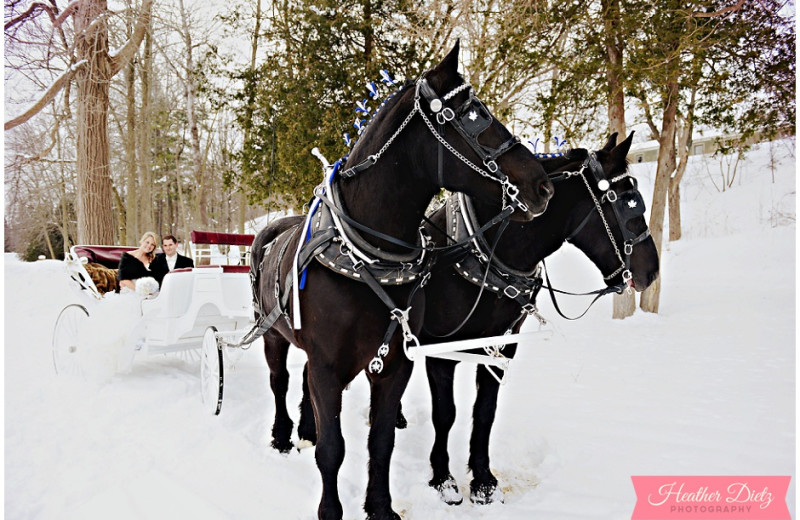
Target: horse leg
[[276, 350], [401, 423], [307, 428], [440, 378], [326, 398], [483, 488], [386, 391]]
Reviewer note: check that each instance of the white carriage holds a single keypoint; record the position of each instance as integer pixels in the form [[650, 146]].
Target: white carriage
[[194, 309]]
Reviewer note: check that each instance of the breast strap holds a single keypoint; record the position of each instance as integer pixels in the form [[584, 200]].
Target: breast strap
[[500, 279]]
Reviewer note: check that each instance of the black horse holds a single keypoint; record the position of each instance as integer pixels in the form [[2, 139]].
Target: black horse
[[582, 212], [433, 133]]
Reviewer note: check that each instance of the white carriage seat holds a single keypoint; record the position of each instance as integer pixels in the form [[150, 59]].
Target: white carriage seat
[[174, 298]]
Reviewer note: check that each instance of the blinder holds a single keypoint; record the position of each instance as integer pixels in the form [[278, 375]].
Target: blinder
[[474, 117], [629, 205], [470, 120]]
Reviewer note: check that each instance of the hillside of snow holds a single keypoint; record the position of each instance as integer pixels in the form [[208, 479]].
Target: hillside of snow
[[704, 387]]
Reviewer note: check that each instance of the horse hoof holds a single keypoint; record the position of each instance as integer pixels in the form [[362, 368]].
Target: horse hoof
[[449, 492], [304, 443], [282, 446], [486, 494]]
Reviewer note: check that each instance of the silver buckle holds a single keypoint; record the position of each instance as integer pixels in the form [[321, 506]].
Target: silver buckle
[[511, 291], [445, 115]]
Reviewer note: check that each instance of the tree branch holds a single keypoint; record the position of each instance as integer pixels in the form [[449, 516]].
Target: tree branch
[[48, 96], [721, 12], [29, 13], [66, 13], [125, 54]]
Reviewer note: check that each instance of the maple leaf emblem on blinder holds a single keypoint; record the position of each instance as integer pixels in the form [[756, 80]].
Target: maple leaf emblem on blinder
[[472, 115], [632, 204]]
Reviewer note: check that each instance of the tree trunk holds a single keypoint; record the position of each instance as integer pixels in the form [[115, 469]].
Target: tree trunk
[[684, 145], [190, 93], [95, 220], [674, 209], [666, 165], [131, 203], [240, 196], [624, 304], [145, 136]]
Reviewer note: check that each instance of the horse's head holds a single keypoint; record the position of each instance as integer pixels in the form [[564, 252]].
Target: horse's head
[[475, 153], [603, 213]]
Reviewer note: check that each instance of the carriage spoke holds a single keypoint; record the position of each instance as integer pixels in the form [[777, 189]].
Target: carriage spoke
[[67, 335]]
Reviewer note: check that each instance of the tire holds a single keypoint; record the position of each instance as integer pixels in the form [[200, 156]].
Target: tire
[[67, 351], [211, 375]]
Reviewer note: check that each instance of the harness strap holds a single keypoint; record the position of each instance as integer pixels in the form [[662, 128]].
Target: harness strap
[[360, 167], [502, 216], [482, 286], [265, 322], [399, 318], [440, 158], [599, 293]]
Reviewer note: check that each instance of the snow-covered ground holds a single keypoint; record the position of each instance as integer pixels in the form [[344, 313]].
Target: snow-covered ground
[[705, 387]]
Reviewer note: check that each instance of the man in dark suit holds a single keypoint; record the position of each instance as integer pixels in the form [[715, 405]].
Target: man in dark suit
[[169, 260]]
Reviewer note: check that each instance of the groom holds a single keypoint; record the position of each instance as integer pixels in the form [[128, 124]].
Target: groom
[[169, 260]]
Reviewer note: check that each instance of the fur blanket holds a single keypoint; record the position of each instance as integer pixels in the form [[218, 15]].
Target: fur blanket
[[104, 279]]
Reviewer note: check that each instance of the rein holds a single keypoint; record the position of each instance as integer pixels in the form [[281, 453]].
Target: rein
[[599, 293]]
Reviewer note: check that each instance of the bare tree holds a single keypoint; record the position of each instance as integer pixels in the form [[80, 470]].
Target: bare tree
[[91, 68]]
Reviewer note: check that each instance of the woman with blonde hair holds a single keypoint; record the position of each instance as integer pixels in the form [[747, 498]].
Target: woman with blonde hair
[[135, 265]]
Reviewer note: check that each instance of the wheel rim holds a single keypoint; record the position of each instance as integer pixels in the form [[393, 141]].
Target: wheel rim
[[211, 372], [67, 351]]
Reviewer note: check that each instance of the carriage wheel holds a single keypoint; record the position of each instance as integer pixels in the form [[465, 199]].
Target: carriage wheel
[[211, 379], [66, 337]]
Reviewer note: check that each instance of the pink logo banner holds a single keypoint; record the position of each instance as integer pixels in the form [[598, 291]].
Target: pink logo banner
[[711, 498]]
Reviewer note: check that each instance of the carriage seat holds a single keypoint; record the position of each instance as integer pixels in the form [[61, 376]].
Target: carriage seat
[[228, 248], [107, 256]]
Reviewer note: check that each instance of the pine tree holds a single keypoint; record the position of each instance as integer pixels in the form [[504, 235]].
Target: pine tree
[[303, 95]]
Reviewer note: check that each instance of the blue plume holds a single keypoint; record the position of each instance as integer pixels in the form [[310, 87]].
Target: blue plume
[[347, 140], [386, 78], [359, 124], [362, 108], [373, 90]]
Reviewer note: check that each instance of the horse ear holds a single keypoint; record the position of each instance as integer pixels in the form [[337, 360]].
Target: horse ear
[[611, 143], [447, 68], [620, 152], [450, 62]]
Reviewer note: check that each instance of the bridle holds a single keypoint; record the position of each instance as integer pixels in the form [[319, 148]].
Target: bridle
[[470, 119], [626, 205]]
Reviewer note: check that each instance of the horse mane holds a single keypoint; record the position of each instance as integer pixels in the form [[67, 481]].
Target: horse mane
[[375, 129], [573, 154]]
